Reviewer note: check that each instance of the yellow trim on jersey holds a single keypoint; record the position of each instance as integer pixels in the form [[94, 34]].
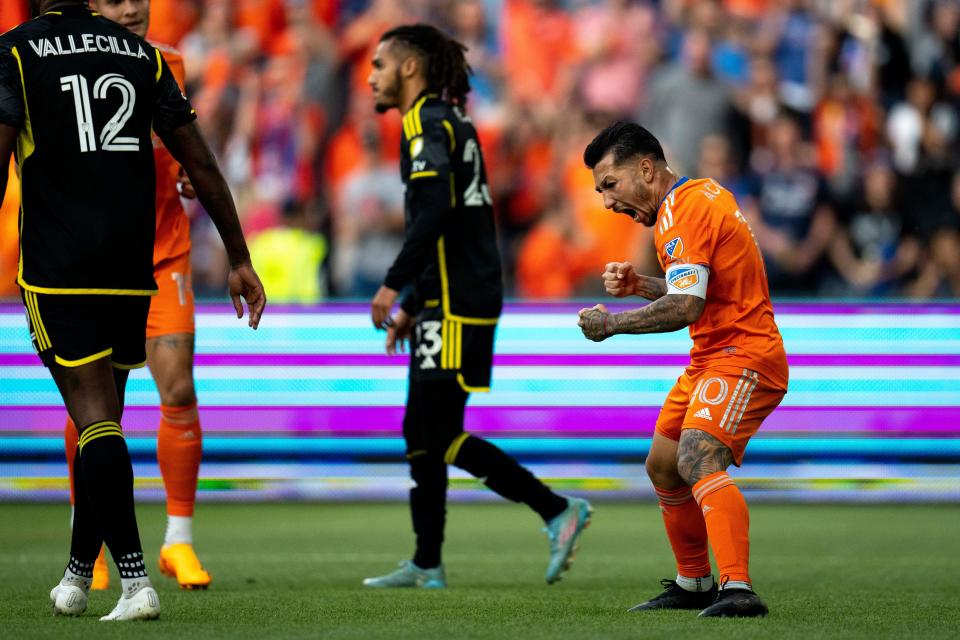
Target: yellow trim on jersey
[[85, 292], [450, 457], [431, 304], [25, 148], [159, 64], [417, 122], [128, 367], [416, 453], [445, 293], [468, 388], [423, 174], [453, 191], [407, 126], [453, 138], [83, 361], [458, 341], [33, 307]]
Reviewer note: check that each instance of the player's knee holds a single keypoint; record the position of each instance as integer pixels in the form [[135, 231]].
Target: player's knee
[[700, 455], [178, 393], [661, 471]]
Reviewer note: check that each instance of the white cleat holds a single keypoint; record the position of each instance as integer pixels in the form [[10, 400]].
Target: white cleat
[[143, 605], [68, 600]]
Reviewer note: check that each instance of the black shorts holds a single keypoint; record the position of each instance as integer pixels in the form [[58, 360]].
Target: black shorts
[[72, 330], [445, 349]]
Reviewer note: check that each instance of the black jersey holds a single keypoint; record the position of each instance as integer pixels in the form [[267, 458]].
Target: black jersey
[[450, 252], [84, 93]]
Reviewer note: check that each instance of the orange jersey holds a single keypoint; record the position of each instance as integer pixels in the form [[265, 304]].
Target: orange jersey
[[699, 223], [173, 227]]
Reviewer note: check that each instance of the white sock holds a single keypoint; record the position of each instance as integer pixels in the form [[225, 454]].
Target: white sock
[[704, 583], [179, 530], [737, 584], [131, 586], [72, 579]]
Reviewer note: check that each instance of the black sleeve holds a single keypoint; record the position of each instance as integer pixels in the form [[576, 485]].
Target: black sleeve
[[430, 201], [12, 111], [411, 300], [429, 188], [172, 109]]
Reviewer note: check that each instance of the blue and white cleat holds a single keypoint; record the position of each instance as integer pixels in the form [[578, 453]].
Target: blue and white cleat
[[564, 532], [410, 575]]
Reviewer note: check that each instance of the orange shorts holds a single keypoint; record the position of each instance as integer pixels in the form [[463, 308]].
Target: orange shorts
[[171, 310], [727, 402]]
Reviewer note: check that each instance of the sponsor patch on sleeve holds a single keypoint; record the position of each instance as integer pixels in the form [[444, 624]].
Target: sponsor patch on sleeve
[[683, 278]]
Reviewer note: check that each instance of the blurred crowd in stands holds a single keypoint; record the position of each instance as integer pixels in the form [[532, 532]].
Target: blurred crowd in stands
[[834, 122]]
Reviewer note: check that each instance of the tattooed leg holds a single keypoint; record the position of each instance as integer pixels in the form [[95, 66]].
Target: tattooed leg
[[700, 454]]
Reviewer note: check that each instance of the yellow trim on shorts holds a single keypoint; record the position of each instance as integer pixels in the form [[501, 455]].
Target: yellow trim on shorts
[[128, 367], [83, 361], [84, 292], [33, 309], [450, 457]]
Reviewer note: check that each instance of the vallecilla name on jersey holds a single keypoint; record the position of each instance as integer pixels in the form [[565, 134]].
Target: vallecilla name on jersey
[[88, 43]]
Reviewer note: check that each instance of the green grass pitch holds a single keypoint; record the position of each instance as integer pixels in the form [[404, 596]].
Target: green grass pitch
[[294, 570]]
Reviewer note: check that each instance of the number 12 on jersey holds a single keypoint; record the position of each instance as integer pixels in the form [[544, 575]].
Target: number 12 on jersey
[[110, 138]]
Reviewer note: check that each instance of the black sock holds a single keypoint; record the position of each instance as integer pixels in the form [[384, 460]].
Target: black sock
[[108, 476], [428, 499], [505, 475], [81, 568], [85, 539]]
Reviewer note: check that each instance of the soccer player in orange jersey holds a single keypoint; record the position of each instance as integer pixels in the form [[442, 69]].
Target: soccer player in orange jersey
[[170, 340], [715, 284]]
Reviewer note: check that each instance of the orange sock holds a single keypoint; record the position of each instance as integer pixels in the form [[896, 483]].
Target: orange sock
[[686, 530], [728, 526], [70, 441], [179, 448]]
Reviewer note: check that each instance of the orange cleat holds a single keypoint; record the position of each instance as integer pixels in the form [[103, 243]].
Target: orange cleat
[[101, 572], [180, 561]]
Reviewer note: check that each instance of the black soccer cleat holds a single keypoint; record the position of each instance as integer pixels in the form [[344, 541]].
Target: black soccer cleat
[[676, 597], [735, 603]]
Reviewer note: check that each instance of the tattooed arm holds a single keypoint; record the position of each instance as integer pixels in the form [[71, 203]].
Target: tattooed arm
[[667, 313], [620, 280], [699, 455]]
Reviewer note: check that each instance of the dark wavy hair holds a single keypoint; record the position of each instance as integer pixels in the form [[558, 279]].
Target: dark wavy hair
[[625, 140], [447, 71]]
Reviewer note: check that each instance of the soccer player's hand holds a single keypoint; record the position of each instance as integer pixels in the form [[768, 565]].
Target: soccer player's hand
[[398, 333], [619, 279], [597, 323], [381, 306], [244, 282], [184, 186]]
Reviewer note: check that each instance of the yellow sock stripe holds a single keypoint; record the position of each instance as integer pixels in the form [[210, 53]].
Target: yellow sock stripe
[[91, 434], [450, 457], [101, 427]]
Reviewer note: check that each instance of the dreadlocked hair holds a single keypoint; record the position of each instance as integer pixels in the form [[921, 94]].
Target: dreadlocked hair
[[447, 71]]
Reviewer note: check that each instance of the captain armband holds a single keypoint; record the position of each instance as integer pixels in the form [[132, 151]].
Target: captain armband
[[688, 280]]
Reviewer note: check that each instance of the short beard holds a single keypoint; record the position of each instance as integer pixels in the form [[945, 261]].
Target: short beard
[[383, 107]]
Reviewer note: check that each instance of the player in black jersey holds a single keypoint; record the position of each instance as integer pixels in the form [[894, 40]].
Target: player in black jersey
[[450, 267], [78, 98]]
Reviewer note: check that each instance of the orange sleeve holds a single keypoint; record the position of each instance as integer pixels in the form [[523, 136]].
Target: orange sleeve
[[174, 60], [690, 238]]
